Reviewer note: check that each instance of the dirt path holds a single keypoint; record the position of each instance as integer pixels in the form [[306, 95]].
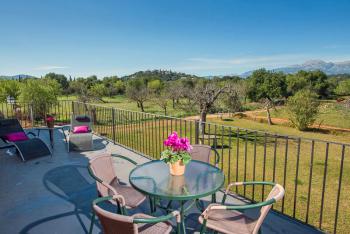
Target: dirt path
[[252, 115]]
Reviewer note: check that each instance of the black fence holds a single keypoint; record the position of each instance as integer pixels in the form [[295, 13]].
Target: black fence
[[31, 115], [315, 173]]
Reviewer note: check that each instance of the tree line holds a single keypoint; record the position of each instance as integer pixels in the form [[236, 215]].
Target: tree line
[[190, 93]]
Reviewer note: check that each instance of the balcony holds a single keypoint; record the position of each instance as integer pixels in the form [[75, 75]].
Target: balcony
[[56, 193]]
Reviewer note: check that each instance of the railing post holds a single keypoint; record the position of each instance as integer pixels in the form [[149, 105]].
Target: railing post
[[32, 114], [113, 124], [73, 112], [196, 132]]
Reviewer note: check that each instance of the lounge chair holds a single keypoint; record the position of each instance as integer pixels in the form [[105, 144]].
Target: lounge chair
[[231, 219], [80, 141], [138, 223], [27, 148]]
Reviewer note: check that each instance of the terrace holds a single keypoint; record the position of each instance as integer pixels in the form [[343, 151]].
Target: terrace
[[56, 193]]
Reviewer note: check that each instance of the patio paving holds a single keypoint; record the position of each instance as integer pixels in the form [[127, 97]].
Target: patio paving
[[53, 195]]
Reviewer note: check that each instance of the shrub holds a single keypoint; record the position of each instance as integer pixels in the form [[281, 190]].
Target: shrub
[[302, 109]]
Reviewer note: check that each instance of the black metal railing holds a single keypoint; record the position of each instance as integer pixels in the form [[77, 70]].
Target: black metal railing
[[31, 115], [315, 173]]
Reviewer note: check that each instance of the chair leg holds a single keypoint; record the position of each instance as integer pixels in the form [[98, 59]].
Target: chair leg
[[203, 227], [213, 198], [92, 222]]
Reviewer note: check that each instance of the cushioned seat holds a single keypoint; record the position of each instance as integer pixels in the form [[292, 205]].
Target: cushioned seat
[[150, 228], [221, 220], [132, 197]]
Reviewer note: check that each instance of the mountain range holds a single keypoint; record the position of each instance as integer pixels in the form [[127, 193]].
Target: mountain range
[[330, 68]]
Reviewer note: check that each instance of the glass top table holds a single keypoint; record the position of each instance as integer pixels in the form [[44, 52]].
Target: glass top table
[[200, 180]]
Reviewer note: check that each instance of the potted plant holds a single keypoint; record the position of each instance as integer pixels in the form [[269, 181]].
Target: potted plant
[[177, 155], [50, 121]]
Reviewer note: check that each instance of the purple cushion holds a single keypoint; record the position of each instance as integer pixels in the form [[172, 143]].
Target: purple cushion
[[16, 136], [81, 129]]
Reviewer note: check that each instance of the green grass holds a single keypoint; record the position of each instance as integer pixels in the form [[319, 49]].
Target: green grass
[[122, 102], [284, 130]]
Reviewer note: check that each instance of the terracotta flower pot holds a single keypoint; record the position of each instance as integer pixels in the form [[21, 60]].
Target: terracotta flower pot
[[177, 168]]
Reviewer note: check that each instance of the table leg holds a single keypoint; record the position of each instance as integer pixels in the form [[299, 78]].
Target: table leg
[[51, 132], [182, 214]]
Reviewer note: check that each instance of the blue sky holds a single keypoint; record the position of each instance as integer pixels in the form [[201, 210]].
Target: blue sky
[[203, 37]]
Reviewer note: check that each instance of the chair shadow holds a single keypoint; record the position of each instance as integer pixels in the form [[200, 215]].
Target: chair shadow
[[67, 183]]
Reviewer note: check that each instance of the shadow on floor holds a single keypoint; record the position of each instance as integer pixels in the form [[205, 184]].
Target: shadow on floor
[[69, 184]]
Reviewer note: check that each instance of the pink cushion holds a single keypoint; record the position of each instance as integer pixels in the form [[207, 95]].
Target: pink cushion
[[81, 129], [17, 136]]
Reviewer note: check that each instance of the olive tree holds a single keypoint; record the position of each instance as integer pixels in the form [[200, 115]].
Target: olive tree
[[41, 93], [137, 90], [267, 86]]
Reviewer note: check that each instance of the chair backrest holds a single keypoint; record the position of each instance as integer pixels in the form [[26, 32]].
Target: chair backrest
[[115, 223], [276, 193], [9, 126], [79, 120], [102, 167], [201, 153]]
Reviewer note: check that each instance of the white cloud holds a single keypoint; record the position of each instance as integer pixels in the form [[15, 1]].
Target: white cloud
[[50, 67]]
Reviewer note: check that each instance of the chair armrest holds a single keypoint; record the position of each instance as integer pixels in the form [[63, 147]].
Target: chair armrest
[[160, 218], [123, 157], [217, 157], [244, 183], [205, 214], [117, 198]]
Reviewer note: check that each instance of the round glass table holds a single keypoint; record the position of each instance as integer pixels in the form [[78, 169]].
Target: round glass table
[[200, 180]]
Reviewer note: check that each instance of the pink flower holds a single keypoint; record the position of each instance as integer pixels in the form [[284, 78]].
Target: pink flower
[[178, 144], [50, 119]]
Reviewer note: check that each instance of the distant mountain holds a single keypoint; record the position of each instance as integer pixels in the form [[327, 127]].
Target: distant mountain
[[16, 77], [329, 68]]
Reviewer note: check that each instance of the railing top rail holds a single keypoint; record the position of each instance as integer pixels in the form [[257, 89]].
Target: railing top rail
[[221, 125]]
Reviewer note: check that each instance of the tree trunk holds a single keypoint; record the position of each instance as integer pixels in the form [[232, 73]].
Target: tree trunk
[[268, 115], [203, 119], [173, 102], [141, 106], [165, 111]]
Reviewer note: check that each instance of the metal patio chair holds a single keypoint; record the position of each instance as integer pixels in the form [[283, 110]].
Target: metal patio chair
[[80, 141], [108, 184], [30, 148], [203, 153], [230, 218], [138, 223]]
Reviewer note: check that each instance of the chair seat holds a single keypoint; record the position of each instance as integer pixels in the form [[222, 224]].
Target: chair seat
[[133, 198], [32, 148], [229, 221], [150, 228]]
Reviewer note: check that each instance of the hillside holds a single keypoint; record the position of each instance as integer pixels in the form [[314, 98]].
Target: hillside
[[164, 75]]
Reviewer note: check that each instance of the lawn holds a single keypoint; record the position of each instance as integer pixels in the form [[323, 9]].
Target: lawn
[[122, 102]]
